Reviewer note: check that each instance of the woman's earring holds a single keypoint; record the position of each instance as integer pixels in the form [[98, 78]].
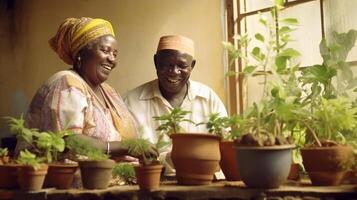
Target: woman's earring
[[79, 63]]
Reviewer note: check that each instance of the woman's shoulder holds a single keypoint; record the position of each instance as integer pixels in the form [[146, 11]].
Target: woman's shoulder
[[68, 79]]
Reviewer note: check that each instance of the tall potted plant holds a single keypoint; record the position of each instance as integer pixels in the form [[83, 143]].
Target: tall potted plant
[[149, 169], [264, 149], [195, 156]]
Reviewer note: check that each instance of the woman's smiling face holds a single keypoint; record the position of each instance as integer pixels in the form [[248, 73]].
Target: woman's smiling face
[[98, 58]]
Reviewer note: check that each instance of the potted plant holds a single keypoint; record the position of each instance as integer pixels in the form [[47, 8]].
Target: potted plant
[[264, 150], [195, 156], [149, 169], [8, 171], [95, 165], [227, 128], [49, 145], [332, 114], [4, 157], [32, 172], [123, 173]]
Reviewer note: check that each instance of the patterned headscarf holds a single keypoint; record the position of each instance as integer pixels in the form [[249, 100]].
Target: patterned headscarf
[[74, 33]]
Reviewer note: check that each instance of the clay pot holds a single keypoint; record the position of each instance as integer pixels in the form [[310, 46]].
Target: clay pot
[[96, 174], [195, 157], [60, 176], [148, 176], [8, 174], [228, 161], [294, 172], [325, 165], [264, 167], [31, 179]]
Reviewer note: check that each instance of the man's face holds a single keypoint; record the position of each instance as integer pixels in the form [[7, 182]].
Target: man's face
[[173, 70]]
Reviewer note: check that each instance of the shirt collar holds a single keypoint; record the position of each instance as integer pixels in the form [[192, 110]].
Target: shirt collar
[[195, 90]]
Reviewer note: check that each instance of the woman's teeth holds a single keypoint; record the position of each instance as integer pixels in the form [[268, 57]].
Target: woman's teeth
[[172, 80]]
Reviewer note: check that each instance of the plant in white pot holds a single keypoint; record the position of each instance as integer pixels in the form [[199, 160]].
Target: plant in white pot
[[195, 156]]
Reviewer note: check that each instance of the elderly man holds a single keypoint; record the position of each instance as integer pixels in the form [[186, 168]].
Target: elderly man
[[174, 62]]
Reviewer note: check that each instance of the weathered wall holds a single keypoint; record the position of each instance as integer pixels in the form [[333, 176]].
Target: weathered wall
[[26, 60]]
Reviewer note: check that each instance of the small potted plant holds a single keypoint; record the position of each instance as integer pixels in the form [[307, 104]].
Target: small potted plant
[[95, 165], [8, 171], [32, 172], [4, 157], [149, 169], [195, 156], [228, 129], [49, 145], [331, 116], [123, 173]]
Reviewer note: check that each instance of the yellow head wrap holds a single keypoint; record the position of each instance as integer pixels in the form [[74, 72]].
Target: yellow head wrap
[[74, 33]]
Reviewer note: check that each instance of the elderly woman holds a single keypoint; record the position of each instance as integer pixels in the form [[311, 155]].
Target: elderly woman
[[78, 99]]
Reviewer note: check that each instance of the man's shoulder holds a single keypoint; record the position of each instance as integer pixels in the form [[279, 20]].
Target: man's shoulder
[[201, 89], [139, 91]]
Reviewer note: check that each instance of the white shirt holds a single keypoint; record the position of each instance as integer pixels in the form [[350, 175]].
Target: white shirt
[[146, 101]]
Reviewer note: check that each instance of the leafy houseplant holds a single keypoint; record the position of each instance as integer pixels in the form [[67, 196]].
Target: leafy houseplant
[[267, 126], [95, 165], [228, 129], [331, 117], [149, 170], [48, 145], [32, 169], [124, 172], [195, 155]]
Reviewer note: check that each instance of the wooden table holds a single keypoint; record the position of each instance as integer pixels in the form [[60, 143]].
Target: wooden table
[[217, 190]]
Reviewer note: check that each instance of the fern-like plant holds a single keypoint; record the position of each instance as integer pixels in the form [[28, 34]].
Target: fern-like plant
[[29, 159]]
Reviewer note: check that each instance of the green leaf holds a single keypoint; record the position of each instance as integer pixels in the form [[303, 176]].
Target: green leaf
[[280, 62], [249, 69], [289, 53], [259, 37], [290, 21]]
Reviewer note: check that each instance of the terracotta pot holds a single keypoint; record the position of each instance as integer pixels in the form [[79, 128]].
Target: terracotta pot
[[264, 167], [96, 174], [325, 165], [31, 179], [60, 176], [148, 177], [4, 160], [8, 174], [294, 172], [195, 157], [228, 161]]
